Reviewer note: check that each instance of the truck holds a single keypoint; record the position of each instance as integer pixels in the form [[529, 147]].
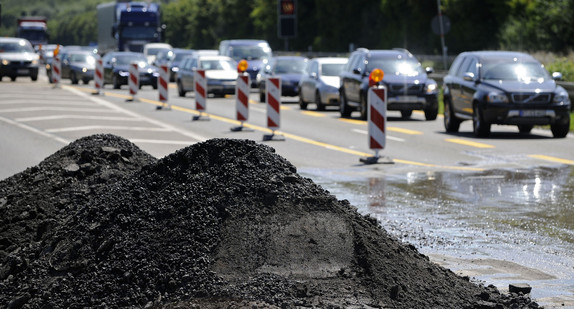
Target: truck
[[128, 26], [33, 29]]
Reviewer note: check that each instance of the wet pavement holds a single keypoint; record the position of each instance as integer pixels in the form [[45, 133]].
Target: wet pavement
[[497, 227]]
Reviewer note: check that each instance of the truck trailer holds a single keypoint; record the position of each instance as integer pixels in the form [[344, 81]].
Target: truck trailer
[[128, 26], [33, 29]]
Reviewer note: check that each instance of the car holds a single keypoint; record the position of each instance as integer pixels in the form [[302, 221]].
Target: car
[[78, 65], [116, 69], [151, 50], [173, 59], [18, 58], [256, 52], [408, 85], [504, 87], [289, 68], [47, 56], [220, 71], [320, 84]]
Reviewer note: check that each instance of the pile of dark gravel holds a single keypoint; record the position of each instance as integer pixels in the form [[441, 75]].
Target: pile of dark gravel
[[220, 224]]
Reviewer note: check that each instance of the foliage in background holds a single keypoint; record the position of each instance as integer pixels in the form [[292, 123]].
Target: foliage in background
[[526, 25]]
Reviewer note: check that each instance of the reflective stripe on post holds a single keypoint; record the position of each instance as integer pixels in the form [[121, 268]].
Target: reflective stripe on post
[[377, 101]]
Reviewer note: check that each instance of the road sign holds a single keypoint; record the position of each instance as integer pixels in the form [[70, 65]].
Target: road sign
[[287, 18]]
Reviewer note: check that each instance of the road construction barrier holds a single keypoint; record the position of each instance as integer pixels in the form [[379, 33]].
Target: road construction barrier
[[242, 89], [377, 121], [273, 99], [133, 80], [162, 83], [99, 75], [200, 89], [56, 71]]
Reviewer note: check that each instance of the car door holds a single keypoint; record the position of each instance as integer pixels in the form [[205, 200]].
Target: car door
[[356, 79], [468, 86], [308, 82], [347, 74], [456, 85]]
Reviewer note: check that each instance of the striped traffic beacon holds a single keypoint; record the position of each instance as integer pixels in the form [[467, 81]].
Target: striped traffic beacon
[[377, 115], [56, 68], [99, 76], [200, 89], [242, 95], [273, 98], [162, 84], [133, 80]]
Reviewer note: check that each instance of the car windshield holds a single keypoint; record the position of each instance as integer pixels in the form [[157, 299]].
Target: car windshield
[[15, 47], [251, 52], [217, 65], [393, 66], [83, 58], [513, 71], [332, 69], [290, 66], [127, 59], [179, 56], [155, 51], [139, 33]]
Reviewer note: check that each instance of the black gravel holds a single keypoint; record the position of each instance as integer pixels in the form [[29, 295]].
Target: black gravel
[[220, 224]]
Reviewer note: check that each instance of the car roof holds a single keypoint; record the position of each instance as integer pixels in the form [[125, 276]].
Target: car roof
[[12, 40], [331, 60], [502, 55], [244, 42], [213, 57], [288, 58]]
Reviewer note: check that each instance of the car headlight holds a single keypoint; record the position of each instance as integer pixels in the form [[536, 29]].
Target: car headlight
[[5, 62], [431, 87], [497, 97], [561, 96], [35, 62], [123, 73]]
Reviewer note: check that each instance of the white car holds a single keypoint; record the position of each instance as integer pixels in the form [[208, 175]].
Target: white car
[[18, 58], [151, 50], [321, 83], [220, 71]]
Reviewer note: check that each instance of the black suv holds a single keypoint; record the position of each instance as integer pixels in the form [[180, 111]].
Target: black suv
[[498, 87], [408, 86]]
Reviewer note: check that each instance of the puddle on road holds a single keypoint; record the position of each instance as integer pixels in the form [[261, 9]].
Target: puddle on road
[[522, 221]]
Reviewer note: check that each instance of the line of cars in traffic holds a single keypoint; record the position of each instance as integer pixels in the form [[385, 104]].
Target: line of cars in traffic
[[495, 87]]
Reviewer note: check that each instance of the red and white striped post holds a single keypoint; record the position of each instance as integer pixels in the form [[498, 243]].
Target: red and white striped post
[[56, 71], [273, 98], [200, 90], [377, 115], [242, 88], [162, 83], [133, 81], [99, 76]]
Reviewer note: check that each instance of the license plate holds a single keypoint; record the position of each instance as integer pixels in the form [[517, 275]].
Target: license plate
[[407, 98], [532, 113], [23, 71]]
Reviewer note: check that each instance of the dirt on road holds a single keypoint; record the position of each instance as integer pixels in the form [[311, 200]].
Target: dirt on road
[[220, 224]]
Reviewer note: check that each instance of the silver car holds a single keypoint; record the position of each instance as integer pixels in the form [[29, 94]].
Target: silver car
[[220, 72], [18, 58], [321, 83]]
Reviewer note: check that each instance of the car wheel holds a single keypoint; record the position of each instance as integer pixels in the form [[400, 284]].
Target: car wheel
[[560, 130], [525, 128], [345, 110], [13, 78], [116, 82], [85, 81], [319, 102], [74, 78], [406, 114], [34, 77], [480, 127], [364, 108], [451, 123], [431, 112], [154, 86], [302, 103], [180, 90], [261, 96]]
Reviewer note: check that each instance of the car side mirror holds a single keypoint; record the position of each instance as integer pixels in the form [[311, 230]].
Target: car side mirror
[[357, 71], [313, 75], [429, 70], [469, 77], [556, 76]]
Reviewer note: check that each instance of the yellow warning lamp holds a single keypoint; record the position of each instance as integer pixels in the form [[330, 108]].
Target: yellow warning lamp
[[57, 50], [376, 77], [242, 66]]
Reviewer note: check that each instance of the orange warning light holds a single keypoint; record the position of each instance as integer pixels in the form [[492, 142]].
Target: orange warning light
[[242, 66], [375, 77], [57, 50]]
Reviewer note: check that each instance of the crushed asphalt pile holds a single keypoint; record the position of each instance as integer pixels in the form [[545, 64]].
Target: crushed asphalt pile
[[220, 224]]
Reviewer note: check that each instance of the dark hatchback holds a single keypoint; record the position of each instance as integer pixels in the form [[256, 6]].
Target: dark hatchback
[[408, 85], [290, 69], [116, 69], [508, 88]]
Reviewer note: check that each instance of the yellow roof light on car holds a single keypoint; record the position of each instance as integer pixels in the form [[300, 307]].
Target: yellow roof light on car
[[242, 66], [376, 76]]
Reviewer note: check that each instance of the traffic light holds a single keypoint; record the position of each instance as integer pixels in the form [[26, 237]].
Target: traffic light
[[287, 18]]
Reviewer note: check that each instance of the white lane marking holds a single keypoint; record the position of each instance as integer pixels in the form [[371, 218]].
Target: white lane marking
[[41, 101], [45, 109], [135, 115], [166, 142], [34, 130], [59, 117], [396, 139], [123, 128]]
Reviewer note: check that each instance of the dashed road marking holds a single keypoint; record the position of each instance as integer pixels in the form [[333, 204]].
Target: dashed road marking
[[553, 159], [468, 143]]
